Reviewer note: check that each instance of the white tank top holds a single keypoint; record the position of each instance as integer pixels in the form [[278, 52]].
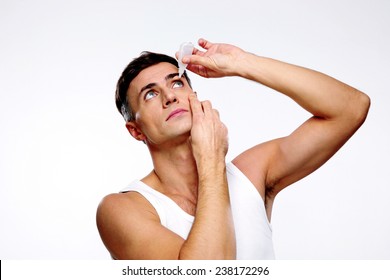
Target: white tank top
[[253, 231]]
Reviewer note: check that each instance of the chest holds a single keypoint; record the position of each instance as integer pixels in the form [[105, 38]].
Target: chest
[[184, 203]]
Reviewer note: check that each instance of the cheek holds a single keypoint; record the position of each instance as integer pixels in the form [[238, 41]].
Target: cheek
[[184, 98], [147, 121]]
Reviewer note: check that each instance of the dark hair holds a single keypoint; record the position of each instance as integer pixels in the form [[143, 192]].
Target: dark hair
[[145, 60]]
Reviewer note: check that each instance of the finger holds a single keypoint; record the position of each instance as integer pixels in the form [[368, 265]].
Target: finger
[[184, 59], [196, 106], [198, 60], [216, 113], [195, 51], [198, 69], [205, 44], [207, 108]]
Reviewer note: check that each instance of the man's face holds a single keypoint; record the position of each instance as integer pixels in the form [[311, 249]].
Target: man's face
[[159, 99]]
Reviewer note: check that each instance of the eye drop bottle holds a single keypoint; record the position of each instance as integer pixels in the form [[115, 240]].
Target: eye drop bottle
[[185, 50]]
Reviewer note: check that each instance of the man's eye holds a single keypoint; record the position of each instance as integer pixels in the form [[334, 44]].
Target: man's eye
[[177, 84], [149, 95]]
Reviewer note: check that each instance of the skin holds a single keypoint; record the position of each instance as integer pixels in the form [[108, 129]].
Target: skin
[[189, 148]]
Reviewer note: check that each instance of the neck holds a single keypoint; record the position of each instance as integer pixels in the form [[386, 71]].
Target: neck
[[175, 171]]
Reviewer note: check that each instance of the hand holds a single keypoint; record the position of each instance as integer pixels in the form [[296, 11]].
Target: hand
[[208, 134], [219, 60]]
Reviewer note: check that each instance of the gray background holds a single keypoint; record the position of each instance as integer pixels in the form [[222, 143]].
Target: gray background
[[63, 146]]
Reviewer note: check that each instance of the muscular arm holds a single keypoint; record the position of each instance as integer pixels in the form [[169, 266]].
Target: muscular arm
[[338, 111]]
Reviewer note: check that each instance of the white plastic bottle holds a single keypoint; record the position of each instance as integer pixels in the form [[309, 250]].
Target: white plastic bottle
[[185, 50]]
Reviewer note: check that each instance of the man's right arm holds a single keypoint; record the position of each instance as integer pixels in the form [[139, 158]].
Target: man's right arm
[[212, 235], [130, 227]]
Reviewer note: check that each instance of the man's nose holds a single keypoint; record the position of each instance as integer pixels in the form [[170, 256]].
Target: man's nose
[[169, 97]]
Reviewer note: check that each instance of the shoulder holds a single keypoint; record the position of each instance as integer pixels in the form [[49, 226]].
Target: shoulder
[[118, 206], [119, 218], [127, 222]]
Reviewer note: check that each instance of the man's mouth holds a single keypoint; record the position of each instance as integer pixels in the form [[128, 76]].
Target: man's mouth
[[175, 113]]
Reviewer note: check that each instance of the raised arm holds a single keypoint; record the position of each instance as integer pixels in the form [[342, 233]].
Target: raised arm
[[338, 111]]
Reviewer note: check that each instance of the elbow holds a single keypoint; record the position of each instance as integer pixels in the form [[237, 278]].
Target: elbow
[[356, 111], [362, 108]]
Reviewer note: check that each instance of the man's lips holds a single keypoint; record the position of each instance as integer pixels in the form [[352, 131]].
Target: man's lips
[[176, 112]]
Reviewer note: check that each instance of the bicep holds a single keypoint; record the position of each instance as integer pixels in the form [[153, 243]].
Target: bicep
[[133, 231]]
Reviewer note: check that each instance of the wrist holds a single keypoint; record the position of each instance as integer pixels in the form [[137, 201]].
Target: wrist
[[243, 64], [249, 66], [211, 169]]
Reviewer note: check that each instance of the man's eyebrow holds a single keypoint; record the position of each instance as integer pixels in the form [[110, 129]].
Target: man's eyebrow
[[150, 85], [171, 76]]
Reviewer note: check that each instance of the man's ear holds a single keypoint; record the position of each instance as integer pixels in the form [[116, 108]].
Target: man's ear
[[135, 131]]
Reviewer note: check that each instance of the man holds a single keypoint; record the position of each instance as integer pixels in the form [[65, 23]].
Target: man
[[194, 205]]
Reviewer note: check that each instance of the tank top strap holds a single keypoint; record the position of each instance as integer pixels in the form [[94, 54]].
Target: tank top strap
[[150, 195]]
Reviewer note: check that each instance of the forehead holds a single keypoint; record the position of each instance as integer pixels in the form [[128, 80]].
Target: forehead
[[153, 74]]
